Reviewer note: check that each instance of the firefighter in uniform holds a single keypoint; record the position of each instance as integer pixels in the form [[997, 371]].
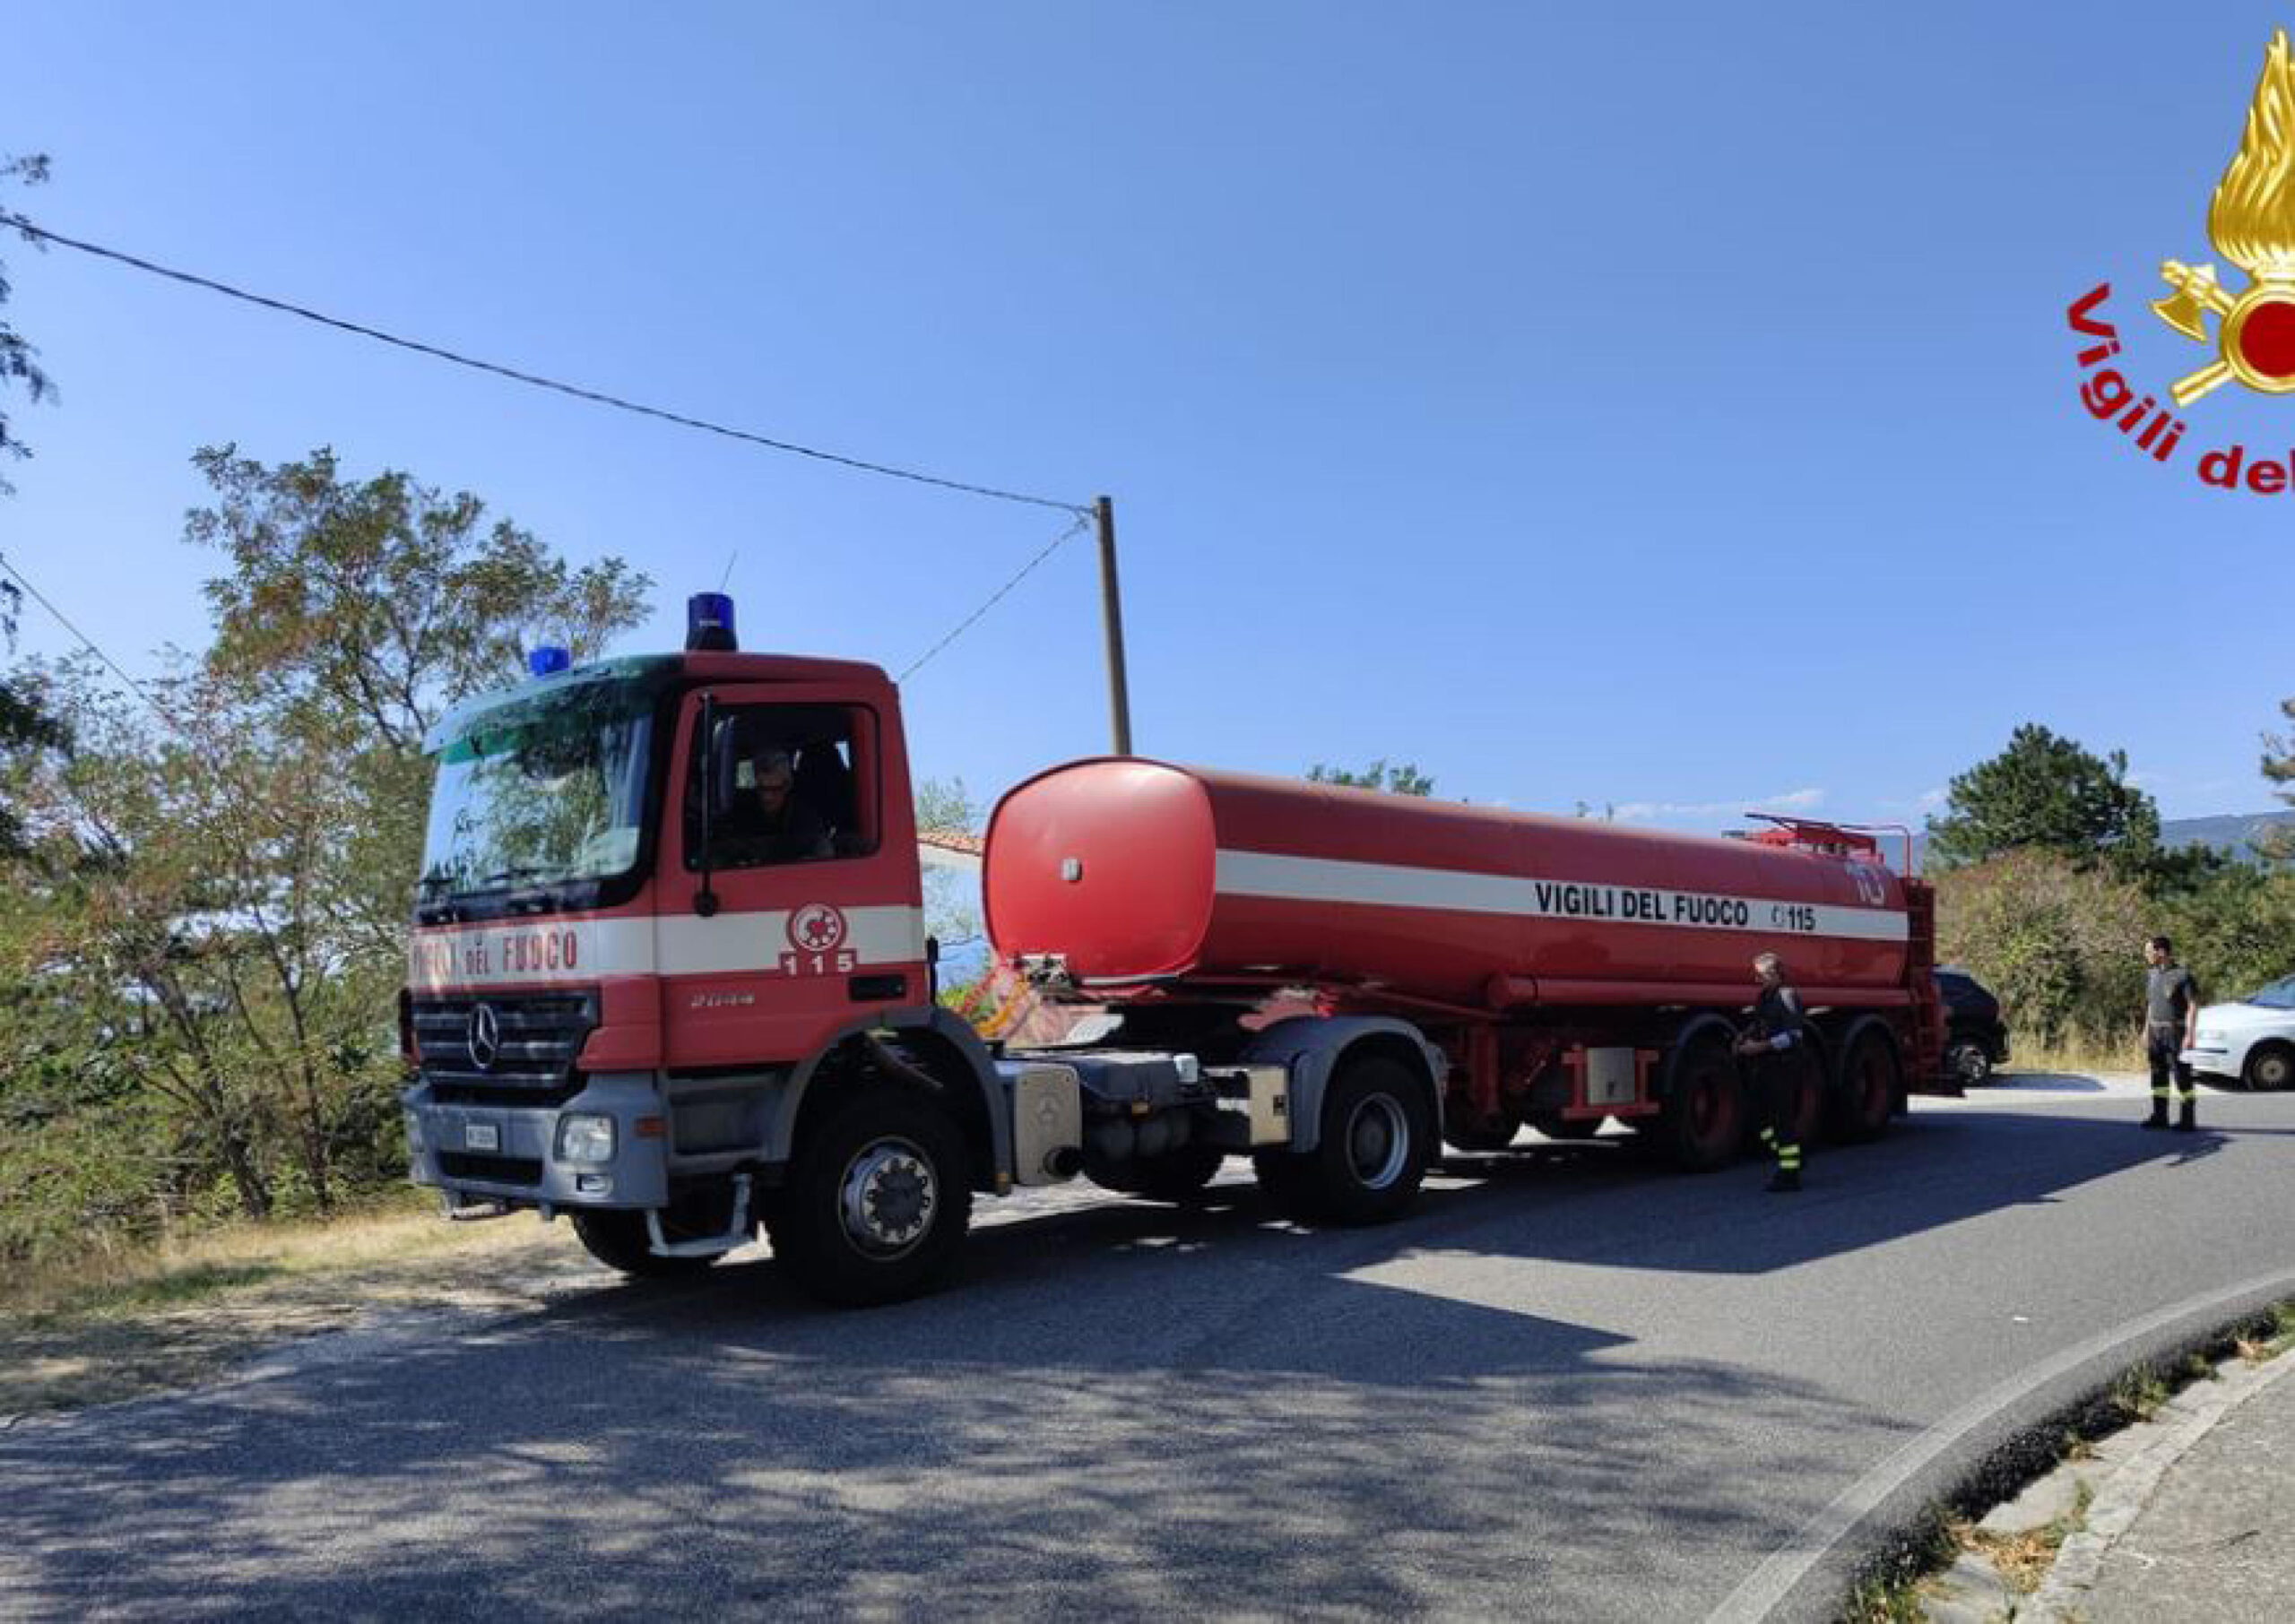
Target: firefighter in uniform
[[2170, 1026], [1773, 1046]]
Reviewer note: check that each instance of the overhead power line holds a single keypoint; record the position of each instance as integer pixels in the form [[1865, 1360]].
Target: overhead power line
[[1082, 521], [577, 391], [92, 646]]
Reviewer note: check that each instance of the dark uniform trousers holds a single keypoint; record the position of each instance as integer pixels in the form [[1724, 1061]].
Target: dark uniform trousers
[[1777, 1105], [2163, 1042], [1777, 1077]]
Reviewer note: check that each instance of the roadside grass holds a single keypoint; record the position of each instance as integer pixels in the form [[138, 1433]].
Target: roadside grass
[[2071, 1052], [1898, 1583], [1894, 1590], [2269, 1339], [2138, 1394], [117, 1324]]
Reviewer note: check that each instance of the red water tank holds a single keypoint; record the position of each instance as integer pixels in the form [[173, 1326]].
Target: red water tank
[[1140, 874]]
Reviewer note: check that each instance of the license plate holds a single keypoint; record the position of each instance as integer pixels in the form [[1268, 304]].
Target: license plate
[[481, 1135]]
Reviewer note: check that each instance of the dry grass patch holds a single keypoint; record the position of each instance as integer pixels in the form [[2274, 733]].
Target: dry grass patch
[[122, 1326], [2023, 1559], [2078, 1055]]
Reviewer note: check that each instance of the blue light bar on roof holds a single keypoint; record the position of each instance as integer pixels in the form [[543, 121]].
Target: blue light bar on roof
[[709, 623], [548, 660]]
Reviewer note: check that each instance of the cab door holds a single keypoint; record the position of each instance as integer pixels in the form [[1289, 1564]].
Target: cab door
[[769, 941]]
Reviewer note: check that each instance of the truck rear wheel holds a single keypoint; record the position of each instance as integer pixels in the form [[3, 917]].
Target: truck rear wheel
[[618, 1240], [878, 1200], [1568, 1128], [1864, 1096], [1468, 1135], [1703, 1122]]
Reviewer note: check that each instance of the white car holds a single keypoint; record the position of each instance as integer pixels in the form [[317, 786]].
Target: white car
[[2251, 1042]]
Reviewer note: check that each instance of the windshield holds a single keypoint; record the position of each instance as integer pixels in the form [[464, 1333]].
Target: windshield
[[542, 790], [2278, 995]]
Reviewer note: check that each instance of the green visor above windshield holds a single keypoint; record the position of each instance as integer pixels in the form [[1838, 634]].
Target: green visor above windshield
[[609, 690]]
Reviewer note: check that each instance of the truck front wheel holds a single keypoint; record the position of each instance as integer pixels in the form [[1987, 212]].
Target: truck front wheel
[[878, 1200]]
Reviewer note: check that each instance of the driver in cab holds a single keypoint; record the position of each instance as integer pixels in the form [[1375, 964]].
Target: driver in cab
[[767, 823]]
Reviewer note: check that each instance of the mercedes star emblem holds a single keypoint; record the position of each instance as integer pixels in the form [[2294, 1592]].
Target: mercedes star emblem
[[485, 1036]]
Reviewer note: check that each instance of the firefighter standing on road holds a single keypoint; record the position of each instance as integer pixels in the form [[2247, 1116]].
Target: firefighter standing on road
[[1773, 1045], [2170, 1026]]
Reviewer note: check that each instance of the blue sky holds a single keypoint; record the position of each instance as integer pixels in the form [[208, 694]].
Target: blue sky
[[1670, 409]]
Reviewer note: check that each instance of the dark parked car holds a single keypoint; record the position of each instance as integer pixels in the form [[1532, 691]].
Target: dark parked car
[[1975, 1039]]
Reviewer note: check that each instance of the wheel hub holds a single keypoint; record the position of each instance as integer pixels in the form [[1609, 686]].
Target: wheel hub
[[888, 1196], [1377, 1142]]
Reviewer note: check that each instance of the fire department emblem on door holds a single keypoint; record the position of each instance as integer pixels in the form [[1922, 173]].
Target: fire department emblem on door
[[816, 927]]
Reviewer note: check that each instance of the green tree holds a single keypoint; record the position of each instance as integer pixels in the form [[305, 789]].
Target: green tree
[[2049, 794], [202, 941], [23, 724], [120, 864], [1404, 779], [2277, 844], [19, 361], [2236, 928], [2279, 755], [383, 600]]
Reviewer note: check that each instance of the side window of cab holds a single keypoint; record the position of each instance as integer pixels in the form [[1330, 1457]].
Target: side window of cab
[[788, 784]]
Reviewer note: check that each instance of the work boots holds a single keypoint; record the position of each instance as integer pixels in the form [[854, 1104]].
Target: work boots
[[2188, 1119], [1784, 1180], [2159, 1116]]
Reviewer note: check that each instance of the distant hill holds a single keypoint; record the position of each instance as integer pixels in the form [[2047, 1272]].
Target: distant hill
[[2232, 831]]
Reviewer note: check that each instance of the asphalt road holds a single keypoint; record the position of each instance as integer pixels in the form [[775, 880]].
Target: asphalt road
[[1570, 1385]]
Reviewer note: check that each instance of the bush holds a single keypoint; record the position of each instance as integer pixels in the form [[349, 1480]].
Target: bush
[[2236, 929], [2061, 946]]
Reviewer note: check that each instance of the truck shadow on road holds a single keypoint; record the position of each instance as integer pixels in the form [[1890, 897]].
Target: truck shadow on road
[[1146, 1404], [2038, 1081], [1605, 1203], [1165, 1433]]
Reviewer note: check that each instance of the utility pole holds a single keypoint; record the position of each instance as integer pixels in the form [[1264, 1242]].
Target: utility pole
[[1112, 614]]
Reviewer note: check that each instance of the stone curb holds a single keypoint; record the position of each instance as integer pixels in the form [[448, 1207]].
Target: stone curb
[[2129, 1487], [2136, 1459]]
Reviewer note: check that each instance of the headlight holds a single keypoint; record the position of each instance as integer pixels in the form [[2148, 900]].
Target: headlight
[[585, 1138], [2208, 1039]]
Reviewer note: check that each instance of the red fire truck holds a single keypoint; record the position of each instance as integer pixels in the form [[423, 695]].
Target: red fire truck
[[669, 976]]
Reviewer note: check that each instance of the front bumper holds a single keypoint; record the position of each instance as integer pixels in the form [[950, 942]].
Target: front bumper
[[2217, 1059], [510, 1152]]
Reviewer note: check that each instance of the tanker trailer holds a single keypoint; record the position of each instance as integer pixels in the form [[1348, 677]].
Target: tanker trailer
[[1557, 972]]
